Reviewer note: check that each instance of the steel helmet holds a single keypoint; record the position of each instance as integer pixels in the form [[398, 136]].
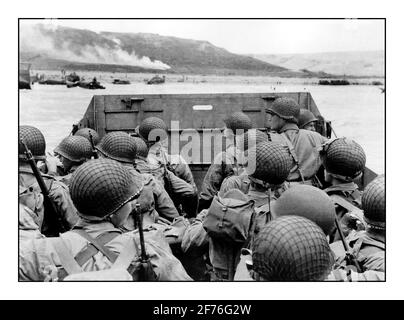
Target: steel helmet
[[291, 248], [100, 187], [344, 158], [153, 129], [118, 146], [374, 203], [309, 202], [75, 148], [34, 140], [238, 121], [85, 132], [272, 162], [285, 108], [141, 147], [305, 117]]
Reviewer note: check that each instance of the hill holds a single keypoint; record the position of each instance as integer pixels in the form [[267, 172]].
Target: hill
[[60, 47], [359, 63]]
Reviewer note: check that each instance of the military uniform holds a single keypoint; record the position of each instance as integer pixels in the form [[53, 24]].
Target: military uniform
[[302, 144], [30, 195], [153, 199], [272, 166], [344, 161], [228, 162], [67, 177], [103, 191], [368, 246], [29, 224], [35, 256]]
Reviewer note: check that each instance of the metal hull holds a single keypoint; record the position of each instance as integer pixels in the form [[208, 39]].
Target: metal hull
[[197, 114]]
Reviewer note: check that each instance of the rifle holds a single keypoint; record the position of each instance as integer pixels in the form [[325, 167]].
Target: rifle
[[95, 154], [350, 258], [146, 272], [51, 214]]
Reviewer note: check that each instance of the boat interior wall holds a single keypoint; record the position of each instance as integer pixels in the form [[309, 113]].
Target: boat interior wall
[[192, 118]]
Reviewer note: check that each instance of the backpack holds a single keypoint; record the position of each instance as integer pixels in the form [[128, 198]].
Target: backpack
[[230, 217]]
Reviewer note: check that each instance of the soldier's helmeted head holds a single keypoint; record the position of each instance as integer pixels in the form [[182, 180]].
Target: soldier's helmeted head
[[119, 146], [281, 111], [269, 163], [374, 204], [153, 130], [343, 159], [307, 120], [34, 140], [86, 132], [73, 150], [104, 189], [291, 248], [238, 122], [141, 148], [309, 202]]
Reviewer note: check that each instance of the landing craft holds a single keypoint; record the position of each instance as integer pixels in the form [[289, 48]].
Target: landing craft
[[157, 80], [199, 116]]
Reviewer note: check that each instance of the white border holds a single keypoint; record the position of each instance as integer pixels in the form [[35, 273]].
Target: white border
[[11, 289]]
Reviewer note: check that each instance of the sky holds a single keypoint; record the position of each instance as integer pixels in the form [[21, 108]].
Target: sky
[[253, 36]]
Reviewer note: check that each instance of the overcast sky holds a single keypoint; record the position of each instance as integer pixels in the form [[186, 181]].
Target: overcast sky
[[254, 36]]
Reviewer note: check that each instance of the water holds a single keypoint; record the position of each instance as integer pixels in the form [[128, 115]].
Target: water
[[355, 111]]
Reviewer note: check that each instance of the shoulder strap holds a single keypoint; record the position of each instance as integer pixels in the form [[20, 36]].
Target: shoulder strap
[[291, 149], [344, 203], [97, 243], [69, 264]]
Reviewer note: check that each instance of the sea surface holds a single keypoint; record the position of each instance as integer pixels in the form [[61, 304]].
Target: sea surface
[[356, 111]]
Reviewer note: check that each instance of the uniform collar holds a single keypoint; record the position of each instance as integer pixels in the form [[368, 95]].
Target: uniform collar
[[289, 126], [95, 226]]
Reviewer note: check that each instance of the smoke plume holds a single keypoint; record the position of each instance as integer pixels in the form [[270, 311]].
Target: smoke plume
[[41, 39]]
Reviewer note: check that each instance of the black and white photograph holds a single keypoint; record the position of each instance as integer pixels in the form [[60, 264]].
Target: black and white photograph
[[208, 150]]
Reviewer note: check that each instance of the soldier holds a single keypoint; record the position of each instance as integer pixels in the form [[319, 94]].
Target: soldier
[[291, 248], [183, 191], [30, 194], [72, 152], [282, 119], [104, 193], [153, 199], [249, 139], [266, 178], [368, 246], [225, 163], [307, 120], [344, 161], [86, 132]]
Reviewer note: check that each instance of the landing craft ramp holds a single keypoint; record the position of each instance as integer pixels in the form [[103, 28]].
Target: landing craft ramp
[[194, 120]]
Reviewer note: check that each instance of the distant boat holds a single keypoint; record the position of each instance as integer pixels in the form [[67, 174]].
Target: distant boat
[[157, 80], [24, 76], [52, 82], [119, 81], [334, 82], [94, 84]]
